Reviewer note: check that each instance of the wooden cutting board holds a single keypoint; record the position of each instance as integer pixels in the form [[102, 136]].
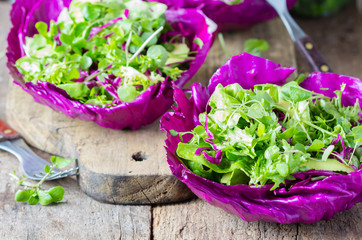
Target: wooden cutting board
[[123, 166], [119, 167]]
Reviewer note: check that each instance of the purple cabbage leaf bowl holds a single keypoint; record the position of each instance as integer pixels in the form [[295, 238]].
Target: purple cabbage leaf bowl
[[230, 15], [305, 202], [144, 109]]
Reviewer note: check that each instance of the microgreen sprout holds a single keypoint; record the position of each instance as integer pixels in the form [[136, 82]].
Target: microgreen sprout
[[223, 45], [33, 193], [94, 44], [267, 134], [145, 43]]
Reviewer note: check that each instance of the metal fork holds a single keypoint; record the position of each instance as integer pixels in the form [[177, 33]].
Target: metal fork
[[301, 40], [31, 164]]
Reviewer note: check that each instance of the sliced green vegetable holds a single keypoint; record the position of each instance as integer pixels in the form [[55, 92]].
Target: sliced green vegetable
[[328, 165]]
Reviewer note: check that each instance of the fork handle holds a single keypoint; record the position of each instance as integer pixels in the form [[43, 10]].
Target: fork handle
[[6, 132], [311, 54]]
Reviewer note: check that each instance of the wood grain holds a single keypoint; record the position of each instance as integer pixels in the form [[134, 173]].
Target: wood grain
[[281, 48], [120, 167], [183, 221], [110, 170], [77, 217], [199, 220], [4, 28], [344, 225], [80, 217], [339, 40]]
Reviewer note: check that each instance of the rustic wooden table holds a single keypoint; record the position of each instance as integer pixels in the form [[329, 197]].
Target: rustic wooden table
[[80, 217]]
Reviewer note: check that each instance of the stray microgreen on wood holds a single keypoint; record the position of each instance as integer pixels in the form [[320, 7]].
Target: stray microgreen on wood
[[33, 193]]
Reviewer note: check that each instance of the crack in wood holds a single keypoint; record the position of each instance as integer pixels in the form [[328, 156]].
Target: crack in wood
[[141, 188], [110, 189], [182, 229], [120, 226], [259, 232], [151, 223]]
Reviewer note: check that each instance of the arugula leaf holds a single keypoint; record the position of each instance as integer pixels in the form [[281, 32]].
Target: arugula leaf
[[294, 93], [357, 134], [60, 162], [47, 168], [255, 46], [36, 47], [92, 41], [91, 12], [267, 134], [235, 177], [66, 39], [33, 200], [289, 133], [42, 28], [76, 90], [316, 145]]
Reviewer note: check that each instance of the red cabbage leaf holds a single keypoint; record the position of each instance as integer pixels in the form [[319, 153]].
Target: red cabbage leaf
[[230, 16], [146, 108], [306, 201]]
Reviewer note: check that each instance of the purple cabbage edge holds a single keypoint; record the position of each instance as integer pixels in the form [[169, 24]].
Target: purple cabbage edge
[[306, 201], [230, 17], [145, 109]]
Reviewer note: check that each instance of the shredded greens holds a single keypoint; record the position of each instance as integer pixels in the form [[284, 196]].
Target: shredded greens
[[106, 52], [267, 134]]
